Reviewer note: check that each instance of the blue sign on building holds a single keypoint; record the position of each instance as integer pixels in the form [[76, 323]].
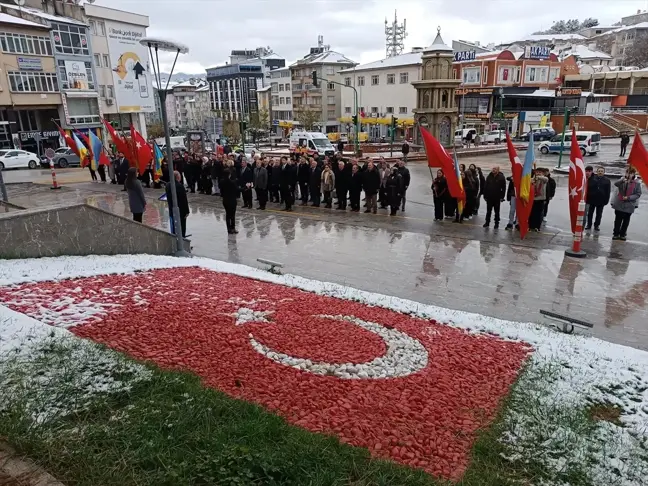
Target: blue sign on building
[[537, 52], [465, 56], [275, 123]]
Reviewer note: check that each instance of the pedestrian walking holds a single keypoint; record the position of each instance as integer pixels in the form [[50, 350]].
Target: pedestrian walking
[[597, 197], [229, 191], [625, 140], [625, 202], [440, 193], [494, 193], [183, 203], [136, 198], [371, 185], [260, 184], [539, 182], [405, 150], [394, 187], [406, 177], [328, 184]]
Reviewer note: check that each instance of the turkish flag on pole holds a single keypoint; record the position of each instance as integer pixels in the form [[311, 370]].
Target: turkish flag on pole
[[438, 157], [638, 157], [68, 141], [577, 179], [120, 143], [141, 150]]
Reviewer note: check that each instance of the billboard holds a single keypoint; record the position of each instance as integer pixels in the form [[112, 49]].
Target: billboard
[[537, 52], [129, 61], [77, 75], [465, 56]]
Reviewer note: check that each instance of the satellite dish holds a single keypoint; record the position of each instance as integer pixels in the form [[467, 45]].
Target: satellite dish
[[90, 1], [20, 3]]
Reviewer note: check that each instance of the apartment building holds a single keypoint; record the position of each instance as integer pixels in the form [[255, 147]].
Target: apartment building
[[324, 101], [281, 101]]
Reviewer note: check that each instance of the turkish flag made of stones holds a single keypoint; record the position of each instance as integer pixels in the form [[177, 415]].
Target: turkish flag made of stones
[[410, 390]]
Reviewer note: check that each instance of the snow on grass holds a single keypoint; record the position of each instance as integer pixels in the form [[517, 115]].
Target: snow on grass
[[546, 418], [47, 372]]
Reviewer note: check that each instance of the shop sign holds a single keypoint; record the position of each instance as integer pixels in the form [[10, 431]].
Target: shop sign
[[26, 136], [537, 52], [465, 91], [29, 64], [571, 92], [465, 56], [76, 74]]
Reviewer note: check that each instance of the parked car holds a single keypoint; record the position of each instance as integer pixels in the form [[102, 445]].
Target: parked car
[[66, 158], [44, 161], [540, 134], [495, 136], [461, 133], [18, 159], [589, 143]]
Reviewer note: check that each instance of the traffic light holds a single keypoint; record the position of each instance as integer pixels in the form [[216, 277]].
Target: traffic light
[[394, 122], [243, 126], [354, 119], [314, 77]]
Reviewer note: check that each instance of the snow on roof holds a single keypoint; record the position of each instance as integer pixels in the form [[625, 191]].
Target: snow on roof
[[196, 83], [409, 59], [203, 88], [43, 15], [640, 25], [10, 19], [563, 37], [438, 45], [326, 57], [264, 89], [582, 52]]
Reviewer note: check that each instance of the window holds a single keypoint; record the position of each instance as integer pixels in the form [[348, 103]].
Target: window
[[102, 91], [506, 74], [472, 75], [347, 109], [287, 86], [65, 82], [274, 87], [275, 100], [106, 60], [360, 80], [375, 80], [83, 110], [330, 100], [374, 109], [331, 114], [25, 44], [485, 77], [330, 70], [330, 87], [454, 74], [536, 74], [554, 75], [32, 82], [402, 110], [281, 87], [110, 92], [102, 28], [391, 79], [404, 78], [281, 101], [288, 101], [347, 81], [70, 39], [97, 59], [316, 101], [390, 109], [93, 27]]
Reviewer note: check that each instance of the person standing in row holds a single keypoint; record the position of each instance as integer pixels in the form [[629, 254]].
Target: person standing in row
[[539, 182], [394, 187], [229, 192], [551, 192], [405, 174], [597, 197], [510, 197], [216, 173], [183, 203], [136, 198], [494, 191], [124, 165], [342, 181], [260, 183], [371, 185], [355, 188], [314, 183], [384, 175], [625, 202], [328, 184], [440, 194], [274, 174], [246, 179], [471, 188], [288, 182], [102, 172], [303, 177]]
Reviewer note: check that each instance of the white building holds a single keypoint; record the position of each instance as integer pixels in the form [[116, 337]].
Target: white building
[[281, 102], [384, 89], [190, 104], [586, 55]]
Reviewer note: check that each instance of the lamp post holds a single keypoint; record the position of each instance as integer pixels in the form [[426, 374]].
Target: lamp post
[[155, 45]]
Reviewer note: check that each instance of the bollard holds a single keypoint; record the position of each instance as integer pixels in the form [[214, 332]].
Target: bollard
[[54, 183], [576, 251]]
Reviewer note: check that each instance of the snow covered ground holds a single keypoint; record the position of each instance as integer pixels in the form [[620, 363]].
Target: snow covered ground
[[566, 374]]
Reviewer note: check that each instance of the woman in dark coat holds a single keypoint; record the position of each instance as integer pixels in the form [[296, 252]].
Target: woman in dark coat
[[471, 187], [440, 191], [136, 199], [229, 191]]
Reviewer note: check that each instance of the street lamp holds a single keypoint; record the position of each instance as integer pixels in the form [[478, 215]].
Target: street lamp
[[156, 45]]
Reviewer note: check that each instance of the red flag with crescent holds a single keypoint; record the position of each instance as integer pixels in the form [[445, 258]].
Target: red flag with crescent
[[438, 157], [638, 157], [577, 180]]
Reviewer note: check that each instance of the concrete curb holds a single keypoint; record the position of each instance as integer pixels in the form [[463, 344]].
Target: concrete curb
[[23, 471]]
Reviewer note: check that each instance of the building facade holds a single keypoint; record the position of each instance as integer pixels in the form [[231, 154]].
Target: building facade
[[319, 105], [281, 101], [232, 90], [29, 86]]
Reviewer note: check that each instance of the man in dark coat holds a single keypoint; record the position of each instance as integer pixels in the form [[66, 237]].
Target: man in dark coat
[[245, 181], [405, 149], [342, 181], [123, 165], [216, 172], [494, 193], [625, 140], [340, 146], [288, 181], [355, 188], [394, 189], [405, 174], [261, 183], [371, 185], [183, 203], [229, 190], [314, 183], [274, 174], [303, 177], [597, 197]]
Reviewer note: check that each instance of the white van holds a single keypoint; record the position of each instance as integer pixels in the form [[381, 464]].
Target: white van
[[310, 143]]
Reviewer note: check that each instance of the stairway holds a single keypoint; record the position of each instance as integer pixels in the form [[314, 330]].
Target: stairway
[[614, 125], [630, 123]]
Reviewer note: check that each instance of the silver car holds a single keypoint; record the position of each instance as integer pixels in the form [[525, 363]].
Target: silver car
[[66, 158]]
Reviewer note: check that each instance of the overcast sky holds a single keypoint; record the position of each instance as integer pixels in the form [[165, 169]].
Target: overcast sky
[[212, 28]]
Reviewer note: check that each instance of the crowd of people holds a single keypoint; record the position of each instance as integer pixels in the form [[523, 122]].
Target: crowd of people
[[337, 180]]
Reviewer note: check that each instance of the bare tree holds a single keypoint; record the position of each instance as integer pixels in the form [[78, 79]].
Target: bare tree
[[156, 130], [231, 131], [637, 53], [307, 118]]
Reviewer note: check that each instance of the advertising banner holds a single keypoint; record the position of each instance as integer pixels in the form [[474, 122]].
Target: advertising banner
[[76, 74], [131, 68]]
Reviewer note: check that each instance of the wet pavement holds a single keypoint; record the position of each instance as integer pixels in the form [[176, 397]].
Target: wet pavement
[[462, 267]]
